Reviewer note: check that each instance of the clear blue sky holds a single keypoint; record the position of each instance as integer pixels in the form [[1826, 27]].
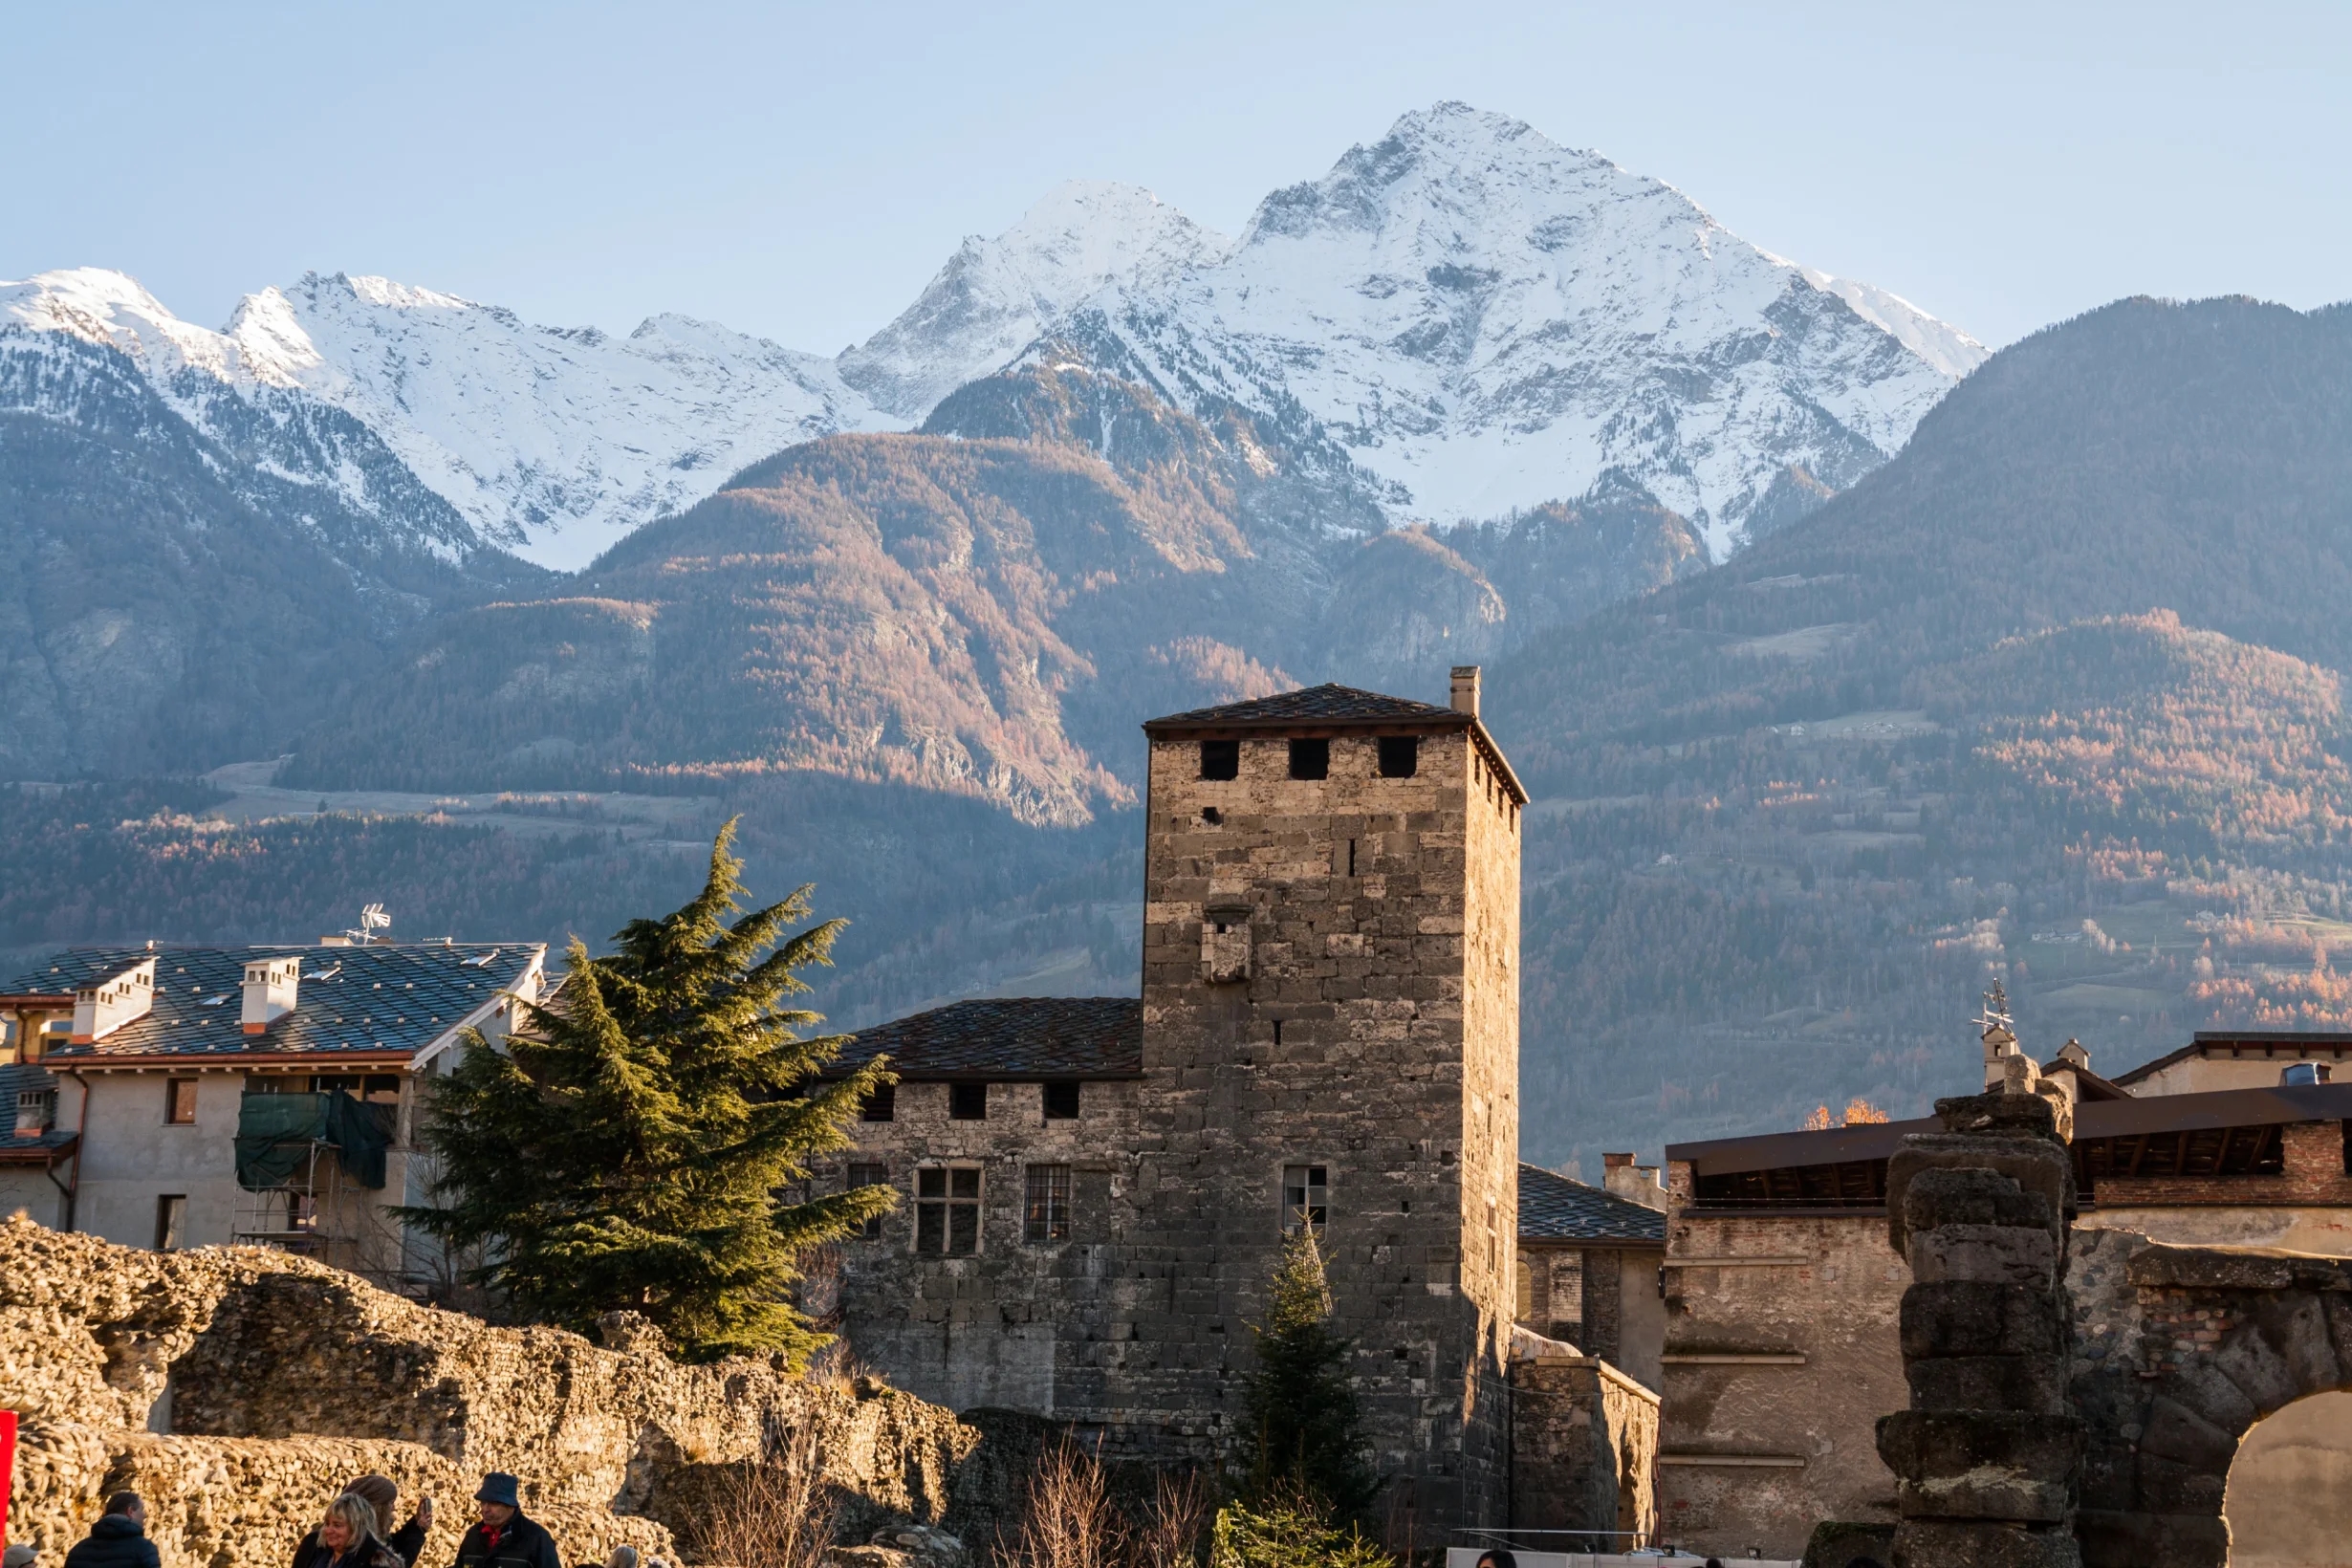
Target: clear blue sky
[[801, 171]]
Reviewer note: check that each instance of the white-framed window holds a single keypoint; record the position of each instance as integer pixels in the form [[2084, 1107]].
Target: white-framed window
[[1306, 1197], [947, 1210], [1047, 1208]]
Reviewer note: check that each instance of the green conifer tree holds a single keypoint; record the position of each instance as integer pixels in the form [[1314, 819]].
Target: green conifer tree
[[1303, 1433], [631, 1146]]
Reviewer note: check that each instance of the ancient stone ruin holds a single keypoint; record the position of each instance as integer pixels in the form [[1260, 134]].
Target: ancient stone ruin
[[1986, 1457], [237, 1389]]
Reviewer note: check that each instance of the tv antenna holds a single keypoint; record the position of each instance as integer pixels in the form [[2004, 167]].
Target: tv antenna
[[372, 920]]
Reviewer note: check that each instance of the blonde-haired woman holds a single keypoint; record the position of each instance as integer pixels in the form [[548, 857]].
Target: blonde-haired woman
[[347, 1536]]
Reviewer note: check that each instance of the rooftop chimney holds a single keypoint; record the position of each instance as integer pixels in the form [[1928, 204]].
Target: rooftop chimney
[[270, 988], [102, 1008], [1635, 1183], [1466, 690]]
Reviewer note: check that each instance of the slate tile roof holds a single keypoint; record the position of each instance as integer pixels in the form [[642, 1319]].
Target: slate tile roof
[[1011, 1038], [380, 999], [1552, 1208], [14, 1079], [1326, 704]]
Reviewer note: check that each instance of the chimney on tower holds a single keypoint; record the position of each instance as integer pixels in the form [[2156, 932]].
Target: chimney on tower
[[1466, 690]]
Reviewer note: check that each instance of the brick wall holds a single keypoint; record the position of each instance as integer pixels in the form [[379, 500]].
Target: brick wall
[[2313, 1177]]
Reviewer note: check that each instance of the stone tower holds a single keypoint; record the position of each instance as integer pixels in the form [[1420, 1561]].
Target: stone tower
[[1331, 1035]]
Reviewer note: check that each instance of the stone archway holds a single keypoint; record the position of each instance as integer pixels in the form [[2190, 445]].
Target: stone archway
[[2290, 1497], [2180, 1351]]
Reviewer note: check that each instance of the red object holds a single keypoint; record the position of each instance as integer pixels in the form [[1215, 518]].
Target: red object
[[8, 1468]]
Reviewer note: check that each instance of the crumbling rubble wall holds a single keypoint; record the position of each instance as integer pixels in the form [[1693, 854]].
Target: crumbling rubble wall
[[238, 1388], [1584, 1447]]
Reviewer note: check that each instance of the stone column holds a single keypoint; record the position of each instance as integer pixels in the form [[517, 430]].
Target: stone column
[[1986, 1457]]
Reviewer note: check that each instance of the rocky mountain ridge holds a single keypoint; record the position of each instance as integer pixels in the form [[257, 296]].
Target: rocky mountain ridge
[[1461, 322]]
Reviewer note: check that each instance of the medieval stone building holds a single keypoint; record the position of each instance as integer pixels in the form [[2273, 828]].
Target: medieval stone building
[[1094, 1193], [1784, 1337]]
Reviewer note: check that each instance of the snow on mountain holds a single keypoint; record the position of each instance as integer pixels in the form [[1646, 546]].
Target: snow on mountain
[[557, 443], [1940, 343], [1487, 321], [1468, 316], [997, 297], [552, 443]]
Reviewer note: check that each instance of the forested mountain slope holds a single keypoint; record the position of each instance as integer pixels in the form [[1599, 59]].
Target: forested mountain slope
[[169, 601], [987, 608], [2069, 658], [2053, 696]]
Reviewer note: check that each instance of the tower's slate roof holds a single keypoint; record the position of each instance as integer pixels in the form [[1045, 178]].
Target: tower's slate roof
[[1552, 1208], [1326, 704], [1010, 1037], [378, 999]]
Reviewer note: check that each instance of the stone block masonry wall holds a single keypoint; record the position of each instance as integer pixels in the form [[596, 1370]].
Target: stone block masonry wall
[[1022, 1324], [275, 1380], [1988, 1454], [1584, 1448], [1371, 1036], [2179, 1352]]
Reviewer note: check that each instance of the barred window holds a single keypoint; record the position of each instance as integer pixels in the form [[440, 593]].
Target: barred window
[[947, 1210], [1048, 1203], [1305, 1197], [864, 1174]]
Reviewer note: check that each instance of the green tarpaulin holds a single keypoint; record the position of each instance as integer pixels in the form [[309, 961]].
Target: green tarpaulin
[[275, 1132]]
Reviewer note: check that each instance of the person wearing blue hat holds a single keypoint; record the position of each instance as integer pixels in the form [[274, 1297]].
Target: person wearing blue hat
[[503, 1537]]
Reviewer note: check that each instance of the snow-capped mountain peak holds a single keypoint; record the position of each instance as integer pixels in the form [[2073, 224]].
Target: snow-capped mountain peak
[[1478, 318], [101, 306], [1488, 322], [997, 297], [552, 442]]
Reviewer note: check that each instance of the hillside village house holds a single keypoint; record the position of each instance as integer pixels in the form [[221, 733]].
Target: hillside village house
[[250, 1095], [1782, 1291]]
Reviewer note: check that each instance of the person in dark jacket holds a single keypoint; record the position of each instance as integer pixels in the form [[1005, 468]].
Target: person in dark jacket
[[504, 1539], [382, 1494], [347, 1536], [118, 1539]]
